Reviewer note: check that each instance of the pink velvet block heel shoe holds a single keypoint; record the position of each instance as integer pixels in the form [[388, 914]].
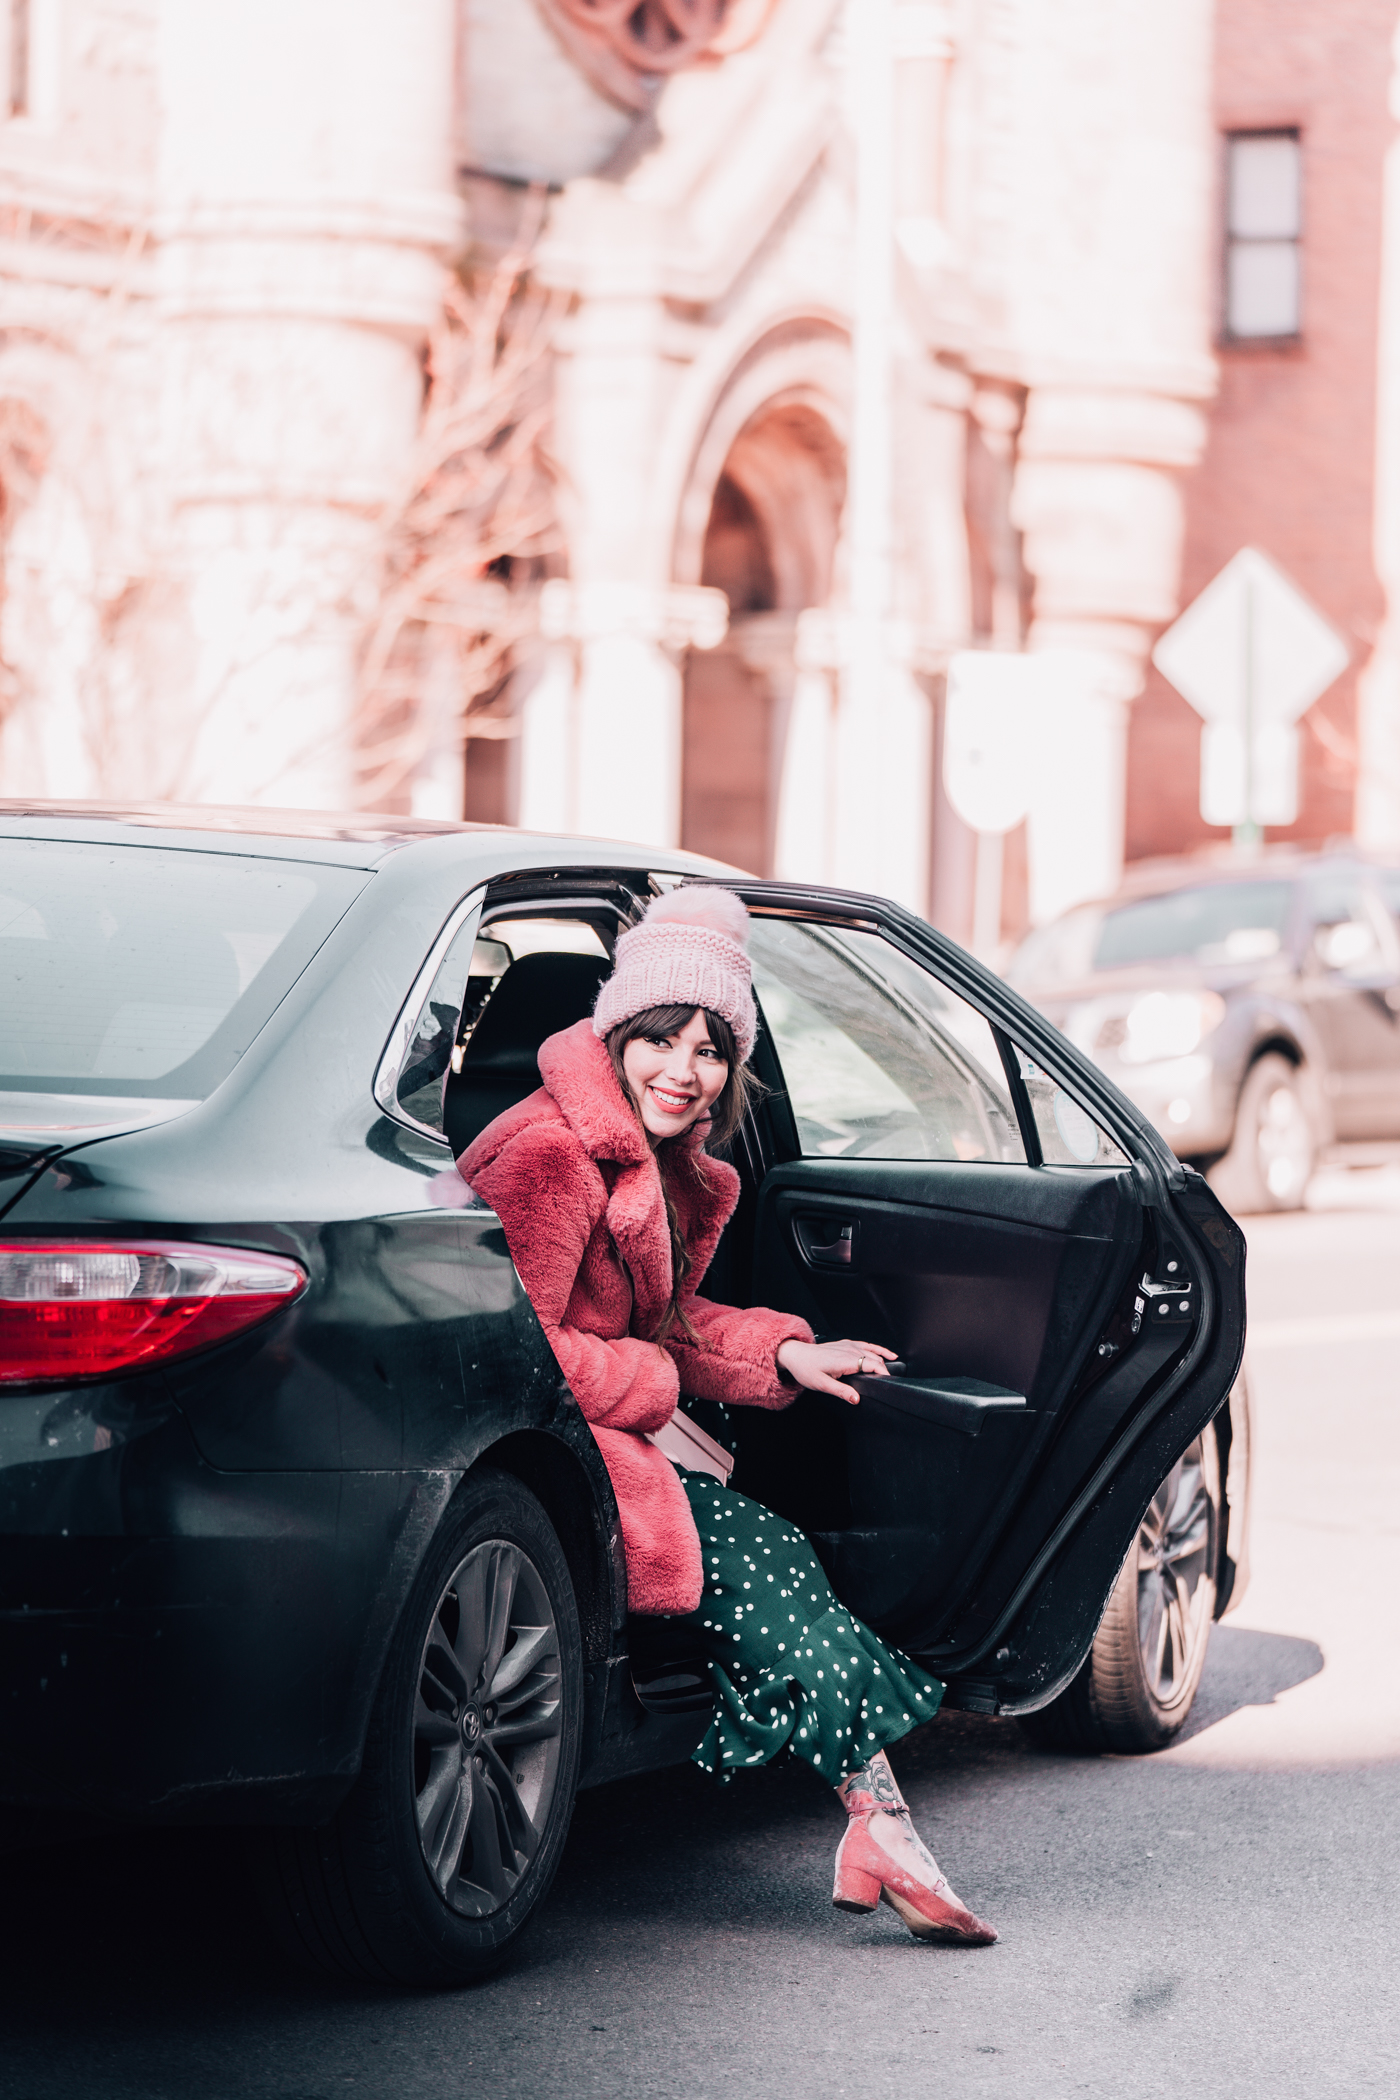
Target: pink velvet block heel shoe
[[899, 1871]]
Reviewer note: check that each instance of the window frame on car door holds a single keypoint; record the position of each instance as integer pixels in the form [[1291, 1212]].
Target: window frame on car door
[[1022, 1036]]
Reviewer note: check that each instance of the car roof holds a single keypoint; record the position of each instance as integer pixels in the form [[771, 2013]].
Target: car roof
[[1218, 866], [343, 838]]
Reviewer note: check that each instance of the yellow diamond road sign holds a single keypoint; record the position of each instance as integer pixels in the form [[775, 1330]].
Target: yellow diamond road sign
[[1251, 655]]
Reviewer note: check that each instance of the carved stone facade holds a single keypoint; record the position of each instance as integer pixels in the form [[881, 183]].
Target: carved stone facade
[[1046, 362], [223, 236], [887, 335]]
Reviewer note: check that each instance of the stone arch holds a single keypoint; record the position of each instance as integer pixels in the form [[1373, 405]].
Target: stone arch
[[760, 521]]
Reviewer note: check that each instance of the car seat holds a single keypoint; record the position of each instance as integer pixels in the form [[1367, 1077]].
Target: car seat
[[537, 997]]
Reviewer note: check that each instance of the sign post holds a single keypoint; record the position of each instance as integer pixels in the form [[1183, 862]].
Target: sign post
[[1251, 655], [1247, 833]]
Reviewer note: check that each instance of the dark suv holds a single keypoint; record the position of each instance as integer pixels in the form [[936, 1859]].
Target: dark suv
[[1252, 1010]]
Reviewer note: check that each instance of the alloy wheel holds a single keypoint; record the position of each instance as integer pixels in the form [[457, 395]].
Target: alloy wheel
[[1175, 1589], [487, 1725], [1285, 1143]]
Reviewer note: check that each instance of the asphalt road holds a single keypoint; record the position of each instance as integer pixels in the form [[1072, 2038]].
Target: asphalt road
[[1221, 1919]]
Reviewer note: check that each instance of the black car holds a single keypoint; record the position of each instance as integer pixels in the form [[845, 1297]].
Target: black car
[[300, 1527], [1252, 1010]]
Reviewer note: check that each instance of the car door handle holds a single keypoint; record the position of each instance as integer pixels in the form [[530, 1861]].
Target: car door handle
[[837, 1252]]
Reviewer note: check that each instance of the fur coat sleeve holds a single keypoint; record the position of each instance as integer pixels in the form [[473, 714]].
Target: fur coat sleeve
[[737, 1361]]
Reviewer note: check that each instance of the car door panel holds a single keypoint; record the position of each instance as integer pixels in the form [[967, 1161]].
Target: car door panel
[[1144, 1337], [993, 1251], [1034, 1304], [921, 1495], [1358, 1024], [1026, 1624], [993, 1276], [1353, 996]]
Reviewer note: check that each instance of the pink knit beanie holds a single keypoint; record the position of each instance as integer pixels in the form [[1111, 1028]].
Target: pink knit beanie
[[689, 950]]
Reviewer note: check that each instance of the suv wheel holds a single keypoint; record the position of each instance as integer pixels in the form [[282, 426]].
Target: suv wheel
[[440, 1856], [1273, 1151], [1139, 1680]]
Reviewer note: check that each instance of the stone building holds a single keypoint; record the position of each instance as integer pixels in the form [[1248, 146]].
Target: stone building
[[886, 332], [223, 237]]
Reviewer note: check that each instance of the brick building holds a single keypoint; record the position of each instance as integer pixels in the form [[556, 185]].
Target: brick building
[[1293, 464]]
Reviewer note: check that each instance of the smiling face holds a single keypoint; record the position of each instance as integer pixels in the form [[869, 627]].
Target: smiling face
[[675, 1079]]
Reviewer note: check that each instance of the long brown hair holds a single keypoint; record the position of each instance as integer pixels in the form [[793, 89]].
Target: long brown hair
[[731, 1105]]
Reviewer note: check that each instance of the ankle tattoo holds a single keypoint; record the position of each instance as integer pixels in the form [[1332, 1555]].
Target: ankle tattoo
[[876, 1779], [882, 1783]]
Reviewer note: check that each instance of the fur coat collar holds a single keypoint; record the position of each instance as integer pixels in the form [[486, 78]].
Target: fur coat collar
[[578, 1076], [581, 1089]]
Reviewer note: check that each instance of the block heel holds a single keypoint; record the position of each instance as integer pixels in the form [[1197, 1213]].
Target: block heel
[[855, 1889]]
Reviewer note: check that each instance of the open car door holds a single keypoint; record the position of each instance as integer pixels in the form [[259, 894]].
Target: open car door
[[936, 1169]]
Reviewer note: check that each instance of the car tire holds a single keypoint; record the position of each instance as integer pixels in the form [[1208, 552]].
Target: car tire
[[444, 1851], [1139, 1680], [1274, 1149]]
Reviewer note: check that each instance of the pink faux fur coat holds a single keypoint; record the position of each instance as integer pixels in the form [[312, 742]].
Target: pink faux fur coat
[[578, 1191]]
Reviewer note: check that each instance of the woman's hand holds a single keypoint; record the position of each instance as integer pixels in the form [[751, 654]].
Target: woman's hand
[[820, 1366]]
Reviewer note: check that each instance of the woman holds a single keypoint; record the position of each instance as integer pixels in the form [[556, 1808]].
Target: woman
[[612, 1207]]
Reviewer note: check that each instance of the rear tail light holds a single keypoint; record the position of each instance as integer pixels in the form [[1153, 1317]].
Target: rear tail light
[[89, 1308]]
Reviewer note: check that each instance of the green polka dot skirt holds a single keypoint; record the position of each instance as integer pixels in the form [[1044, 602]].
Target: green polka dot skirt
[[791, 1669]]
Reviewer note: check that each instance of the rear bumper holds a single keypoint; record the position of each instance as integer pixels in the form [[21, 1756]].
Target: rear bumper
[[178, 1643]]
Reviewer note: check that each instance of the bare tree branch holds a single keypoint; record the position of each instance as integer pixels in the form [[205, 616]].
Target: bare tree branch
[[480, 495], [24, 454]]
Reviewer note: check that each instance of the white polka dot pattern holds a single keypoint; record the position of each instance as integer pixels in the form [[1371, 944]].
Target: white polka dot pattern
[[771, 1693]]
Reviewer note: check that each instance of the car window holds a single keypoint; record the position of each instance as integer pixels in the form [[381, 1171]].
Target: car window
[[507, 941], [1347, 934], [147, 970], [471, 969], [1388, 883], [1057, 954], [1068, 1134], [1224, 922], [432, 1032], [879, 1059]]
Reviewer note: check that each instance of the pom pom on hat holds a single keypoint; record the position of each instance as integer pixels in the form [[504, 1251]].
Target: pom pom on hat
[[689, 950], [718, 909]]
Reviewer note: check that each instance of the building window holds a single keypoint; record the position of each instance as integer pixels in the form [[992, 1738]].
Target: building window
[[1263, 227]]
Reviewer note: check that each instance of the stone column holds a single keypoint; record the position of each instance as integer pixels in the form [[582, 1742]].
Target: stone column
[[306, 205], [803, 818], [1109, 283], [1098, 501], [628, 695], [620, 707], [600, 729]]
